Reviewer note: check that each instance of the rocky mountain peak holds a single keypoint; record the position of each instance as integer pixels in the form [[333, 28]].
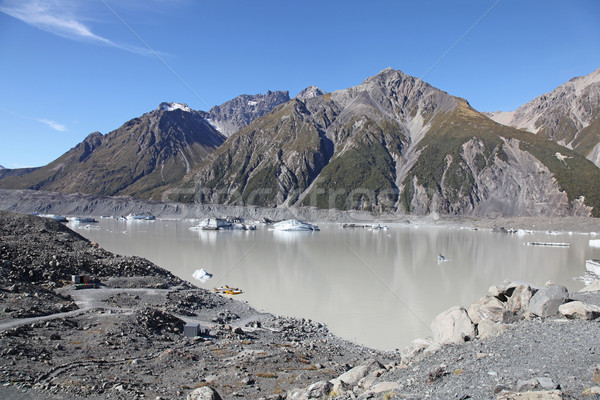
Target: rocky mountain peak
[[235, 114], [392, 94], [174, 106], [93, 136], [309, 93], [568, 115], [580, 83]]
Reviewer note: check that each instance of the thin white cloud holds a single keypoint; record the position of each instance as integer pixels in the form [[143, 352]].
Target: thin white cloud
[[62, 18], [53, 124], [54, 16]]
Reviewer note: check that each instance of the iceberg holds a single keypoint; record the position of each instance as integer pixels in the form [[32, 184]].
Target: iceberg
[[201, 275], [593, 266], [594, 242], [294, 225]]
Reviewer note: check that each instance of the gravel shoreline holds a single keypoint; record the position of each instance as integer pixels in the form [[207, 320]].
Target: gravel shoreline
[[125, 340], [28, 201]]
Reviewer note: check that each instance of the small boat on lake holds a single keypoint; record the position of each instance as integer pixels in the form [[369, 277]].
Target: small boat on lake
[[294, 225]]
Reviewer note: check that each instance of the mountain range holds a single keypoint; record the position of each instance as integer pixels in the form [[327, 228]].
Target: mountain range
[[568, 115], [392, 143], [144, 154]]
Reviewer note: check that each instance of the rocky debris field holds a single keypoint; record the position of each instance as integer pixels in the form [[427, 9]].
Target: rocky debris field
[[124, 339]]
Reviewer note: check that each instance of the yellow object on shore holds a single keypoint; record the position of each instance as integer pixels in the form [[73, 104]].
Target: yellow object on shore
[[227, 290]]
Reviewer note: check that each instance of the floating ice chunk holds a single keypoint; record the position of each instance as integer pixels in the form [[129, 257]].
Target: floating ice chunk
[[201, 275], [594, 242], [442, 259], [593, 266]]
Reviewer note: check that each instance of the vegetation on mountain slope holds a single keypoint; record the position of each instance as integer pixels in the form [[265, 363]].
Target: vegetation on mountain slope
[[144, 154]]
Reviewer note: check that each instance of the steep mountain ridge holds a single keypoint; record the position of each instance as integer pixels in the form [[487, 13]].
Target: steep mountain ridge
[[309, 93], [234, 114], [145, 153], [567, 115], [393, 143]]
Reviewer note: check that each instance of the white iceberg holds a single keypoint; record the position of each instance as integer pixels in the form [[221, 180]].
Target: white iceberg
[[201, 275], [593, 266], [294, 225], [594, 242]]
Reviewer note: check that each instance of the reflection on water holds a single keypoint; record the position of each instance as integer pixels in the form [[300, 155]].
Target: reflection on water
[[378, 288]]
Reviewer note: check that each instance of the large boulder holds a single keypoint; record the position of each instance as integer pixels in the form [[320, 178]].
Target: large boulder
[[487, 329], [414, 349], [380, 388], [545, 302], [453, 326], [318, 390], [579, 310], [505, 289], [534, 395], [592, 287], [490, 308], [204, 393], [353, 376], [518, 302]]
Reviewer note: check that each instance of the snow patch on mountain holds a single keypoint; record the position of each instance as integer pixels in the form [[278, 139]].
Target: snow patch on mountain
[[174, 106]]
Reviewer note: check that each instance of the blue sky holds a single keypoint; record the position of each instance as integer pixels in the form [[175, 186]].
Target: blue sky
[[72, 67]]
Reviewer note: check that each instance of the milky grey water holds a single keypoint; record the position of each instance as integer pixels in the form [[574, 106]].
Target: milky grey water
[[377, 288]]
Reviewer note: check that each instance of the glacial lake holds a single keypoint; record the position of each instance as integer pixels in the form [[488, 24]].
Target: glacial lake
[[380, 288]]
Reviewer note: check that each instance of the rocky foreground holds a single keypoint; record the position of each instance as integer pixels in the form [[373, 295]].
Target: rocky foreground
[[124, 339]]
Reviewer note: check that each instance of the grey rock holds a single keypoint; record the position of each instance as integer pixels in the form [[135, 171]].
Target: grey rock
[[317, 390], [547, 383], [518, 302], [381, 387], [505, 289], [353, 376], [490, 308], [436, 374], [596, 374], [487, 329], [340, 386], [415, 348], [526, 385], [546, 301], [370, 379], [579, 310], [592, 287], [204, 393], [535, 395], [452, 326]]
